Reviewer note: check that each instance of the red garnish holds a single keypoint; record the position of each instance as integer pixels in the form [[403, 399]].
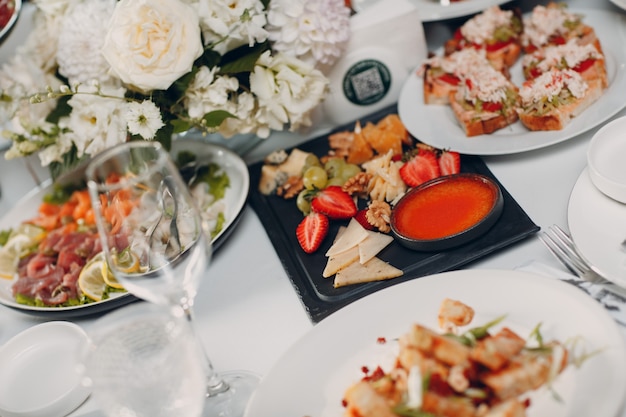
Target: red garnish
[[584, 65], [491, 106], [497, 45], [334, 202], [422, 167], [311, 231], [450, 79]]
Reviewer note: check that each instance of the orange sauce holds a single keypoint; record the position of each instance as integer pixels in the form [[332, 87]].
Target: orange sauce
[[444, 209]]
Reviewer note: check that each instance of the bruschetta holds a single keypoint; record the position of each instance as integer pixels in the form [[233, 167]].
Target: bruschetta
[[555, 25], [552, 100], [496, 31], [486, 101]]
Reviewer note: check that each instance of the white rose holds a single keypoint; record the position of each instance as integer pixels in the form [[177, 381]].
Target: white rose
[[152, 43]]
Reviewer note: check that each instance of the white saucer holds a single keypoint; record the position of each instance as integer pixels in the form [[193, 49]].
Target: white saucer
[[39, 377]]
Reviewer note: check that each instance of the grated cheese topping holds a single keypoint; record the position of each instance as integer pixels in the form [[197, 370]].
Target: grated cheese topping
[[457, 63], [545, 22], [481, 27], [550, 84], [485, 84], [572, 53]]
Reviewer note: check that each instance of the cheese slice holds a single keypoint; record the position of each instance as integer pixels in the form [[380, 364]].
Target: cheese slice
[[350, 238], [374, 243], [340, 260], [374, 270]]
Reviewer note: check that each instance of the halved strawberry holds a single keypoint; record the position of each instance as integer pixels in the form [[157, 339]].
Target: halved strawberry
[[311, 231], [361, 217], [334, 202], [449, 162], [422, 167]]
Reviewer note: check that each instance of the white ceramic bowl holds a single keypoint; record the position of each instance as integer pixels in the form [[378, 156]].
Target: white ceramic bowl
[[606, 158], [39, 376]]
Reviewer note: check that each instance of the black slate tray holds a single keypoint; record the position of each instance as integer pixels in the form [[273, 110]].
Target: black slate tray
[[280, 218]]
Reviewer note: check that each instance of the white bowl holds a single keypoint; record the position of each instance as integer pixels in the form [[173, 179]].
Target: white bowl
[[39, 376], [606, 158]]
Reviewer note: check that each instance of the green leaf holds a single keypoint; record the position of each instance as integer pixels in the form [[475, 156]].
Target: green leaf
[[70, 161], [62, 109], [216, 117], [242, 59]]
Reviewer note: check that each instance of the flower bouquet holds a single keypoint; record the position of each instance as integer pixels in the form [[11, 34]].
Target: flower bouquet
[[95, 73]]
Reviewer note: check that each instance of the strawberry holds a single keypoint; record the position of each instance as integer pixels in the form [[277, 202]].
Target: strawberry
[[311, 231], [422, 167], [361, 217], [449, 162], [334, 202]]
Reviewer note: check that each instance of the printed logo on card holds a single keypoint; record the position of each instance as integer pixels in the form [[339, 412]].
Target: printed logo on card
[[366, 82]]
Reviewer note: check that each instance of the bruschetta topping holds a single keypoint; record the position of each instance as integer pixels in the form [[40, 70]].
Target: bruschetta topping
[[484, 85], [457, 63], [545, 23], [484, 26], [571, 55], [551, 84]]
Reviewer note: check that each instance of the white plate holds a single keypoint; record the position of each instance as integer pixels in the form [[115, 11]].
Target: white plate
[[437, 126], [432, 10], [312, 376], [39, 376], [235, 200], [619, 3], [597, 224]]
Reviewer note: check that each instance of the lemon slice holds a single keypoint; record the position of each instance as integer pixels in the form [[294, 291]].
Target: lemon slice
[[109, 278], [10, 253], [127, 262], [91, 280], [34, 233]]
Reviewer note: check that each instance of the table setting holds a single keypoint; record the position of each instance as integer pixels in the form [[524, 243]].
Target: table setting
[[263, 309]]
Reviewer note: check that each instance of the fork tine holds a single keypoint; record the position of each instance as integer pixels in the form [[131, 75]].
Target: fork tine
[[567, 244], [559, 253]]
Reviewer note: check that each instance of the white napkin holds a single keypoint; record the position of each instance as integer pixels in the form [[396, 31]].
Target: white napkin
[[611, 297]]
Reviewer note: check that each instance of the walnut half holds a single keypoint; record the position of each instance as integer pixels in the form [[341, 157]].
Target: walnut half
[[378, 215]]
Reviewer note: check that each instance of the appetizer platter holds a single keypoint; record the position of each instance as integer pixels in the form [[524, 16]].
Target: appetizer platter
[[319, 274], [339, 351], [445, 126], [29, 220]]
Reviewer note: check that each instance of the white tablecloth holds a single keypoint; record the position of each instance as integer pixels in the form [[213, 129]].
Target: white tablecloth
[[247, 312]]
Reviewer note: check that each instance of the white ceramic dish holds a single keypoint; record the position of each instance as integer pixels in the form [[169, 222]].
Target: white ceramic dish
[[437, 126], [39, 376], [310, 379], [605, 159], [432, 10], [6, 29], [597, 224], [235, 199]]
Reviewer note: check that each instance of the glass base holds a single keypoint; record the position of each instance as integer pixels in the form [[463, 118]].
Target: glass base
[[233, 401]]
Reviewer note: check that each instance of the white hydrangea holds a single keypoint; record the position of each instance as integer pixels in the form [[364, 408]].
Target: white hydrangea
[[228, 24], [97, 121], [81, 38], [287, 90], [316, 31], [40, 46]]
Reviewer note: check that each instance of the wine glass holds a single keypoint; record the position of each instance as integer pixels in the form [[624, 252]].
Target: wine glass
[[156, 246], [143, 360]]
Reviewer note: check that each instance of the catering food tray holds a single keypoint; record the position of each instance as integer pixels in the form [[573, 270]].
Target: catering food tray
[[280, 218]]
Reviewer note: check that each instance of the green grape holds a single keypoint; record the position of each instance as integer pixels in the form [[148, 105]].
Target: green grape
[[311, 160], [303, 203], [315, 177], [336, 181], [349, 171], [334, 166]]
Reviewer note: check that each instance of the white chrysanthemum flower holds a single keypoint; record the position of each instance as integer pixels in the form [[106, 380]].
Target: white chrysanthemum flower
[[316, 31], [41, 43], [96, 122], [81, 38], [143, 119], [229, 24], [287, 90], [208, 92]]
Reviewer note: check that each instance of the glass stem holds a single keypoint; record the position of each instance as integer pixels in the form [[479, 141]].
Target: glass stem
[[215, 383]]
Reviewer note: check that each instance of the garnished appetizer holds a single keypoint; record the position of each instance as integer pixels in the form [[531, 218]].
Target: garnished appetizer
[[584, 59], [442, 74], [555, 25], [496, 31], [460, 371], [550, 101], [485, 102]]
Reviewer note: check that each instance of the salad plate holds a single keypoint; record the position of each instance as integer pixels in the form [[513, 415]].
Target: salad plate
[[432, 10], [235, 200], [437, 126], [597, 224], [319, 367]]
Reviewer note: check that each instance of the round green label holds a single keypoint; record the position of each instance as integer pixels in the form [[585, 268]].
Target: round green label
[[366, 82]]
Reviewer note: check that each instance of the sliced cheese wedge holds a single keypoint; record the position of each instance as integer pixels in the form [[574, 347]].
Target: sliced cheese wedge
[[374, 243], [350, 238], [374, 270], [340, 260]]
